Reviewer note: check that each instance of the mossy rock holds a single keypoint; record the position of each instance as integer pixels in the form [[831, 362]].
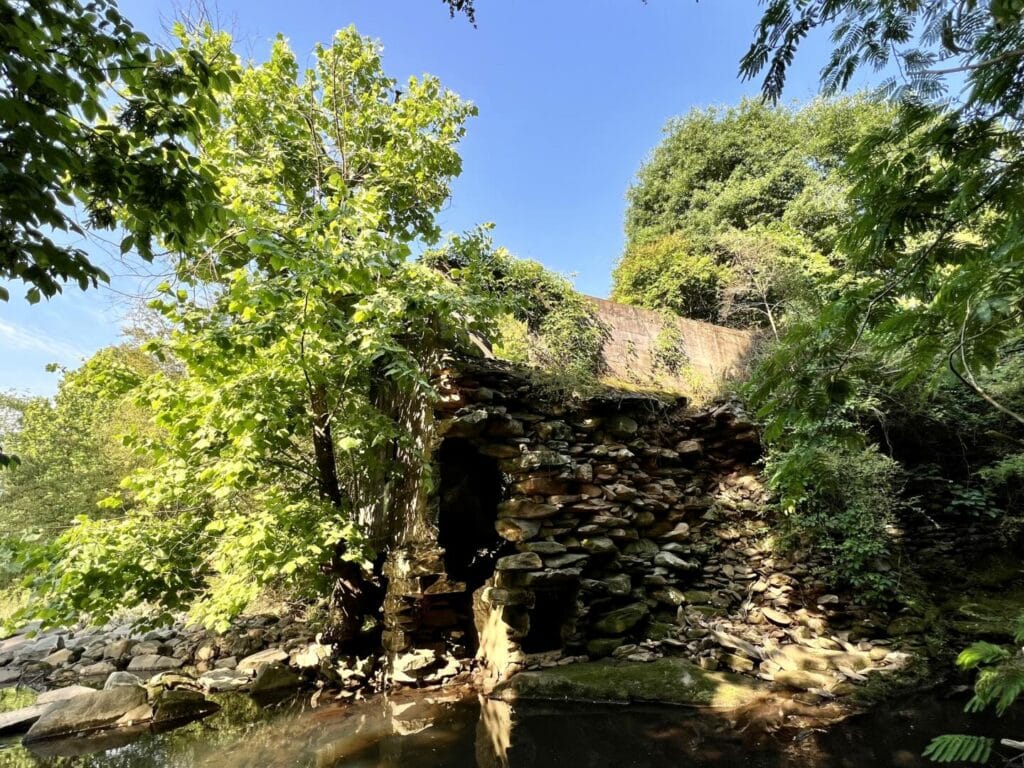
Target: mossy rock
[[664, 681], [990, 616]]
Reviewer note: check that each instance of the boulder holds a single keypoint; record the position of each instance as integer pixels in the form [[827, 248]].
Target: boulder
[[666, 680], [85, 713], [268, 656], [181, 704], [118, 679], [274, 677], [63, 694]]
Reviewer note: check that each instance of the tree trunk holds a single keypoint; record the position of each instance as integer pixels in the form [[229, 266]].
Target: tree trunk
[[323, 448], [351, 587]]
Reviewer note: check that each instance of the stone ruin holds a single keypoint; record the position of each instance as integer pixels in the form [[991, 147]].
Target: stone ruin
[[625, 525]]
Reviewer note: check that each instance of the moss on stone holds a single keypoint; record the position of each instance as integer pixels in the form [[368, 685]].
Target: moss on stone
[[667, 681]]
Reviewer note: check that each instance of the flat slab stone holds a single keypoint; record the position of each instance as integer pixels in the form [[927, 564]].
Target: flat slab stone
[[63, 694], [257, 660], [88, 712], [151, 662], [20, 720], [667, 680]]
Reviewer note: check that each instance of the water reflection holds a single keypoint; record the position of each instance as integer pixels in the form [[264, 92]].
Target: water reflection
[[455, 731]]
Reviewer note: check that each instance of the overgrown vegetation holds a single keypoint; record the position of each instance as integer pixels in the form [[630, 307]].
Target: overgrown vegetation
[[541, 320]]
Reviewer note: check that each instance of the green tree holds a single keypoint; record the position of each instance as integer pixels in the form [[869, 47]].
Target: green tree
[[70, 449], [775, 174], [293, 311], [92, 113]]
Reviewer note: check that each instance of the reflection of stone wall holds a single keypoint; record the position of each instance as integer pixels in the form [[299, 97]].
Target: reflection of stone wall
[[712, 351]]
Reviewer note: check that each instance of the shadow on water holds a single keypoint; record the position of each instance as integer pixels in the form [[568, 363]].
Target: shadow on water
[[421, 731]]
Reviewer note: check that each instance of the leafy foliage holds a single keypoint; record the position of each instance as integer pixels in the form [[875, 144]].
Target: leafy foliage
[[956, 747], [738, 210], [291, 313], [93, 112], [70, 449], [840, 497], [539, 305]]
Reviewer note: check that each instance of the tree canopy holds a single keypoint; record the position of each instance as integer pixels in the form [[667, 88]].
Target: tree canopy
[[727, 182], [93, 114], [289, 311]]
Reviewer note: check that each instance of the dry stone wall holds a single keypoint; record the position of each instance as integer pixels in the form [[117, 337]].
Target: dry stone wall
[[627, 525]]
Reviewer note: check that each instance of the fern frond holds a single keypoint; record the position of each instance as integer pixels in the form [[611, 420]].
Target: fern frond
[[957, 747], [981, 653]]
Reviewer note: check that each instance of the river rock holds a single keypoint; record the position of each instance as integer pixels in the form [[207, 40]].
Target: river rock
[[99, 669], [153, 662], [274, 677], [86, 713], [223, 680], [515, 529], [256, 660], [63, 694], [181, 704], [20, 720], [522, 561], [118, 679]]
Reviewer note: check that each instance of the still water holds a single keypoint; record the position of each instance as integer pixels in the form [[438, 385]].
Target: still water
[[422, 731]]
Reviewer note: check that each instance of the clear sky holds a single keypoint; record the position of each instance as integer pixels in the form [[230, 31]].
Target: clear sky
[[572, 94]]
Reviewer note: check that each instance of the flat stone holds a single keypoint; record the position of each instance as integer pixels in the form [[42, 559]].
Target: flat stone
[[61, 658], [501, 596], [268, 656], [544, 547], [63, 694], [274, 677], [565, 560], [151, 662], [20, 720], [223, 680], [776, 617], [674, 562], [525, 509], [100, 668], [622, 619], [514, 529], [599, 545], [521, 561], [86, 713]]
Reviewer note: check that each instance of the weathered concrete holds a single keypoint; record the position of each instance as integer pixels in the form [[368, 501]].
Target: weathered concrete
[[712, 351]]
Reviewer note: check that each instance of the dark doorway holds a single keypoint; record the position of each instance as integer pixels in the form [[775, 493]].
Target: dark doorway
[[551, 612], [471, 489]]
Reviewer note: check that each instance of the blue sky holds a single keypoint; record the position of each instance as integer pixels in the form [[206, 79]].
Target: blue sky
[[572, 97]]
